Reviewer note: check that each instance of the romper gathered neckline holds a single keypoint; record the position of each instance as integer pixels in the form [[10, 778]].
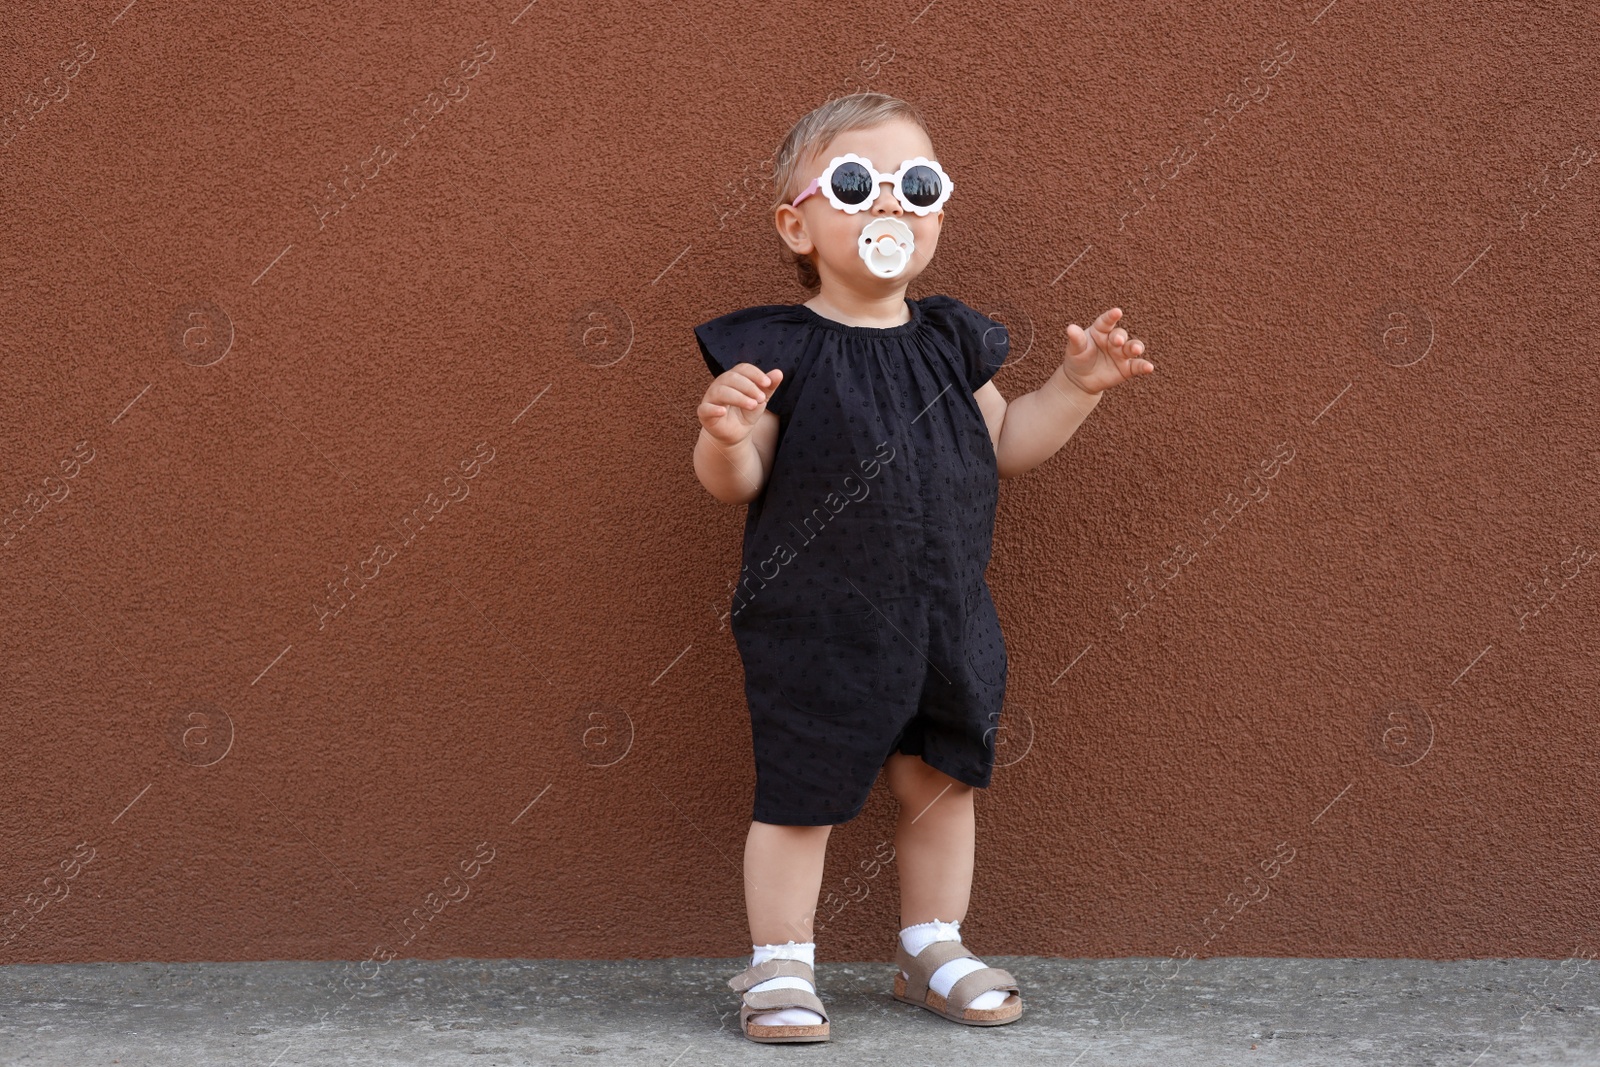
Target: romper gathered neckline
[[822, 320]]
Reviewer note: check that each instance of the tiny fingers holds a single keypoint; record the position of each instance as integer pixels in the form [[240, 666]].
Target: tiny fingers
[[753, 373], [742, 391]]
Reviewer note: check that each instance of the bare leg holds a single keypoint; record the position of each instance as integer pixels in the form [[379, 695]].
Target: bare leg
[[934, 842], [782, 879], [934, 845]]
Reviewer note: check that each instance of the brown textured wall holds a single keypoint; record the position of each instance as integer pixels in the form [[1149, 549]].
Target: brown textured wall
[[1302, 628]]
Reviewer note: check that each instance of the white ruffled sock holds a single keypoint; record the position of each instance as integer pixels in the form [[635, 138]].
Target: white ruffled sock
[[918, 937], [792, 950]]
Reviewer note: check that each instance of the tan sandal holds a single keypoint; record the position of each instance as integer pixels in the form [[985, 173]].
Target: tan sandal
[[778, 999], [921, 967]]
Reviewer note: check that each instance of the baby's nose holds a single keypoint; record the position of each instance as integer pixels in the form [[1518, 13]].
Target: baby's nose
[[886, 204]]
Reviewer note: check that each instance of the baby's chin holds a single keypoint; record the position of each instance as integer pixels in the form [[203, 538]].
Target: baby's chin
[[857, 275]]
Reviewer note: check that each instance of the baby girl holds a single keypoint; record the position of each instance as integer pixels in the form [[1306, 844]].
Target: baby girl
[[864, 434]]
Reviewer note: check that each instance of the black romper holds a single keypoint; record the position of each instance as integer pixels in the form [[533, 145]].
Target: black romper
[[861, 612]]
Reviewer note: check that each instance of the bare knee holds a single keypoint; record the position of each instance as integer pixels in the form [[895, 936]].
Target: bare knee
[[916, 784]]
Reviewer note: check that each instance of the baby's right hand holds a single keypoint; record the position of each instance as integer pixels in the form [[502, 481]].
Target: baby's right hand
[[735, 402]]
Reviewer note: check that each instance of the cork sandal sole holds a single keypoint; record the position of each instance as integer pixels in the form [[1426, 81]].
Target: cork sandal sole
[[1007, 1012], [774, 1035], [921, 967], [776, 1000]]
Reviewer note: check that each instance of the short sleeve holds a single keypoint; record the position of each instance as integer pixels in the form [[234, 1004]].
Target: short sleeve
[[770, 337], [713, 346], [984, 342]]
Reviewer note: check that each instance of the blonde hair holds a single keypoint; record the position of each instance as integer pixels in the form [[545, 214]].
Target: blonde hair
[[859, 111]]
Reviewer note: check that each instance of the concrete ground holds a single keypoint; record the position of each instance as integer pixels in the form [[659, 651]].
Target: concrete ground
[[680, 1013]]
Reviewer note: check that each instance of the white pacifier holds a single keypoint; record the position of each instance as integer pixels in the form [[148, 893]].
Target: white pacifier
[[885, 245]]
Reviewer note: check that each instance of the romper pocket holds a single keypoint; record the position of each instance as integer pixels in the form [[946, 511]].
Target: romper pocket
[[826, 665], [985, 645]]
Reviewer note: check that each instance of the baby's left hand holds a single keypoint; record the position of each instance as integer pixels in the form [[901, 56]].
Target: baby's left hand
[[1100, 357]]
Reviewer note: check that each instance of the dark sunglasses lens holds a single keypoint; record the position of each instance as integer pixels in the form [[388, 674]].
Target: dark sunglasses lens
[[921, 185], [851, 183]]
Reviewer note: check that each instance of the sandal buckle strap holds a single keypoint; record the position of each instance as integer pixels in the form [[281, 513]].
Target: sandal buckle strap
[[921, 967], [778, 999], [970, 986], [777, 967]]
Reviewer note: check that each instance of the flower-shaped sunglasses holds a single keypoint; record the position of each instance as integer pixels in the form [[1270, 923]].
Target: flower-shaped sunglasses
[[851, 184]]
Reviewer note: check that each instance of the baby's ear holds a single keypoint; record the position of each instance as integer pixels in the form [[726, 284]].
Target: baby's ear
[[791, 225]]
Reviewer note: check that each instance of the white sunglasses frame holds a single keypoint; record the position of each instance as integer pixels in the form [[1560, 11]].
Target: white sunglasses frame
[[824, 183]]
